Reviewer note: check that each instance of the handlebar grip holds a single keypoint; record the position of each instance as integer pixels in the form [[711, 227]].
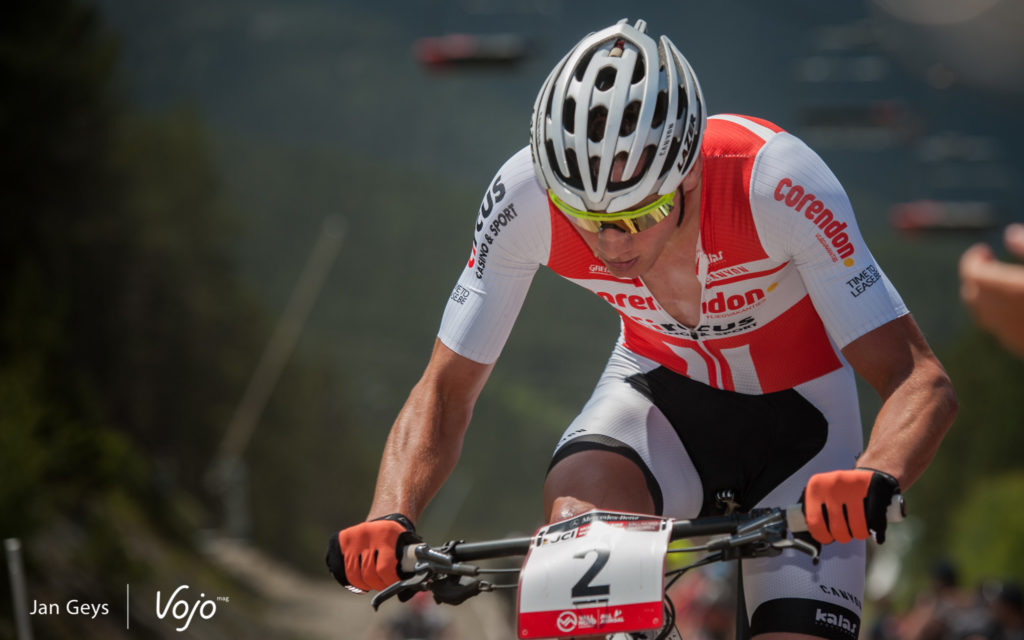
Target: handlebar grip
[[408, 558], [895, 512]]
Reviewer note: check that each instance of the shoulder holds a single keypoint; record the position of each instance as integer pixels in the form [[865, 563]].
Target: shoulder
[[515, 185], [513, 218], [731, 135], [517, 177]]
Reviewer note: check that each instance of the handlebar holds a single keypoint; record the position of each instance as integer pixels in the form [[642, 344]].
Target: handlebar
[[460, 551], [756, 533]]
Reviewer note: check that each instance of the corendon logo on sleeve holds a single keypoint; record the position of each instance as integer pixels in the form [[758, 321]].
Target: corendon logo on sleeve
[[835, 240]]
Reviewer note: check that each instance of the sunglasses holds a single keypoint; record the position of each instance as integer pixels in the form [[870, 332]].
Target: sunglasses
[[630, 221]]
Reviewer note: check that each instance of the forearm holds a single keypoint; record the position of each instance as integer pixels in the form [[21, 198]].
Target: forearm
[[913, 419], [426, 439], [417, 460]]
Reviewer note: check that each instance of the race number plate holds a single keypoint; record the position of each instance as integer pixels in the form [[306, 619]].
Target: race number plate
[[600, 572]]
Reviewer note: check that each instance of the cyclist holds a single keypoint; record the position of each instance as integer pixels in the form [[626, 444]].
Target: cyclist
[[747, 298]]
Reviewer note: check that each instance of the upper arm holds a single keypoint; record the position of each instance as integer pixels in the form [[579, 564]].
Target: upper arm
[[802, 214], [456, 380], [512, 239]]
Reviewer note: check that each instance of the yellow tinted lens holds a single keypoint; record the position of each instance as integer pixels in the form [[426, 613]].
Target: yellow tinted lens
[[630, 221], [593, 226]]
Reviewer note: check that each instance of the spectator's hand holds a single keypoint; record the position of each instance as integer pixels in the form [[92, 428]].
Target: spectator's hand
[[994, 290], [844, 505]]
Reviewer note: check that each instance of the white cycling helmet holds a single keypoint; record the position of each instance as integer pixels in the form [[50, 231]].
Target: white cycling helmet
[[617, 93]]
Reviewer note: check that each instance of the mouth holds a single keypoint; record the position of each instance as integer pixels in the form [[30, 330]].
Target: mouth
[[620, 265]]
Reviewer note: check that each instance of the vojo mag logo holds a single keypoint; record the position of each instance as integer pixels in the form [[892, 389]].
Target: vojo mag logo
[[178, 607]]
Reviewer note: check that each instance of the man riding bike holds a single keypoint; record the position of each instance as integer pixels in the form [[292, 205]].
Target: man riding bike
[[747, 298]]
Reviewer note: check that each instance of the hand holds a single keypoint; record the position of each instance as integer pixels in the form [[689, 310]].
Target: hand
[[843, 505], [994, 290], [366, 555]]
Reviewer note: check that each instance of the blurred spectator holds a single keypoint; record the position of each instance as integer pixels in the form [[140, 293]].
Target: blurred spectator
[[944, 611], [705, 604], [1007, 611], [885, 624], [419, 619], [994, 290]]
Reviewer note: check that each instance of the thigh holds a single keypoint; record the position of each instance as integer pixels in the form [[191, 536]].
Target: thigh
[[595, 478], [622, 444]]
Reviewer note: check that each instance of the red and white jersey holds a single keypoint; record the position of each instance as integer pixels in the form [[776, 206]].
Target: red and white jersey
[[786, 278]]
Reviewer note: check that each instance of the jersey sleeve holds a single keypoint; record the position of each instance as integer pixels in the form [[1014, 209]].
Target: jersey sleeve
[[512, 238], [802, 213]]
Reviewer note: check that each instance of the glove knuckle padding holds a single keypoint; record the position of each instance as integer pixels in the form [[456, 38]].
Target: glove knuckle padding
[[848, 504], [816, 508], [366, 555], [838, 493]]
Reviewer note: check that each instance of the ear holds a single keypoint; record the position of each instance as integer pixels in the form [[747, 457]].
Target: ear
[[692, 179]]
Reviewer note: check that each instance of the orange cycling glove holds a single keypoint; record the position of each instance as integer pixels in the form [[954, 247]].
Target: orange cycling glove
[[365, 555], [843, 505]]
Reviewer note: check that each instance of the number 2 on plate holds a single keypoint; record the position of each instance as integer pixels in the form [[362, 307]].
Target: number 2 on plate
[[583, 588]]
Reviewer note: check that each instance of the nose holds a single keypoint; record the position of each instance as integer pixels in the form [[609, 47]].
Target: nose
[[613, 241]]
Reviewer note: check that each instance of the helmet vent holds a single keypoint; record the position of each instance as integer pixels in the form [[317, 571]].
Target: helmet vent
[[605, 79], [646, 159], [638, 70], [660, 110], [673, 151], [595, 123], [569, 115], [581, 68], [630, 117], [682, 103], [573, 179]]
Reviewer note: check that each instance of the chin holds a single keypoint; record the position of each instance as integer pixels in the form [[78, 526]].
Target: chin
[[632, 271]]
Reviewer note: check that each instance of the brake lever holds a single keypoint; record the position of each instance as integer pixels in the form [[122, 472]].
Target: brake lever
[[415, 583], [802, 546], [759, 537]]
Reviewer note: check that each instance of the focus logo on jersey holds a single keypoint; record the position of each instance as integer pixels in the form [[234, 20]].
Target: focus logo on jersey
[[835, 240], [493, 196], [497, 219]]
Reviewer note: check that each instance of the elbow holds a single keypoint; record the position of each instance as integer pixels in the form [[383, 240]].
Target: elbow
[[946, 401]]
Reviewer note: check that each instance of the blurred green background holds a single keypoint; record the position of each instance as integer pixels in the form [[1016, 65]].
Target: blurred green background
[[167, 169]]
